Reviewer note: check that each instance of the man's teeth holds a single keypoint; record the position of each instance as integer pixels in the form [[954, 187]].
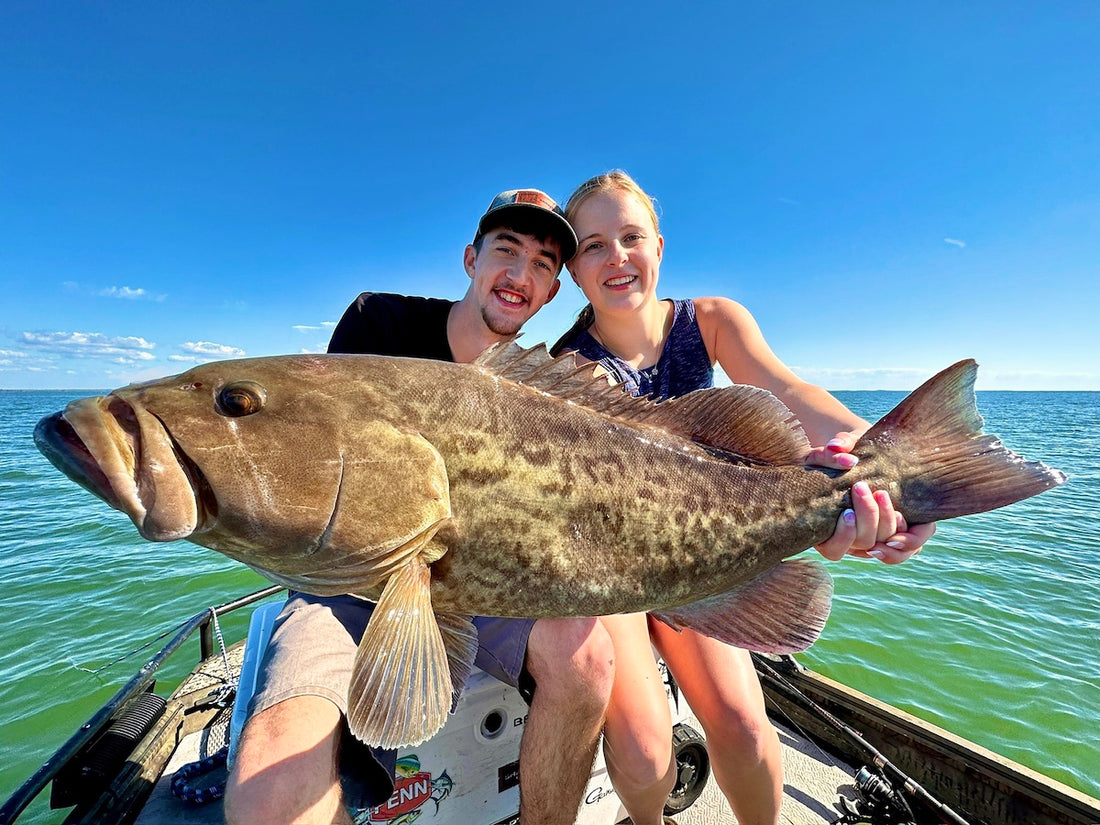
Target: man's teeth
[[510, 297], [624, 279]]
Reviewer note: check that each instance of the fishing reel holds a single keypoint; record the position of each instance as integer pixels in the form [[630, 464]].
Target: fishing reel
[[880, 803]]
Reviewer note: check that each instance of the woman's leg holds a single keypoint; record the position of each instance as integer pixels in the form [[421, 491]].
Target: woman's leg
[[638, 726], [721, 686]]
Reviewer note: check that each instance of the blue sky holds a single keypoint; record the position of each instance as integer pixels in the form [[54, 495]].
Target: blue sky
[[888, 187]]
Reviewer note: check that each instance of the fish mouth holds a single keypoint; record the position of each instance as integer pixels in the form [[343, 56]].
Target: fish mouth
[[127, 457], [57, 440]]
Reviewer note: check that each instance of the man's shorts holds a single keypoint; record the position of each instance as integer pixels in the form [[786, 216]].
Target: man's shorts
[[311, 653]]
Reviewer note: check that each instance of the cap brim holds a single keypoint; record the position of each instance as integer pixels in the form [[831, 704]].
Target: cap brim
[[556, 226]]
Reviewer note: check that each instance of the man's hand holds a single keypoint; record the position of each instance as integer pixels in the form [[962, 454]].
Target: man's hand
[[872, 528]]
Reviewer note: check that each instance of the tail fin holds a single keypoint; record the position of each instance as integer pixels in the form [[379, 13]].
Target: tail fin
[[946, 465]]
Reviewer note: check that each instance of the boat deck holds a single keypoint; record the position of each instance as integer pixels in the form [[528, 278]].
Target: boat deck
[[813, 779], [813, 782]]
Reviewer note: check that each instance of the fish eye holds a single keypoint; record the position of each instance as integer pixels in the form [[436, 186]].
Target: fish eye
[[241, 398]]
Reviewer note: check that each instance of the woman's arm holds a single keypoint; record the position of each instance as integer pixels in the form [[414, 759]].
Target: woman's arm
[[734, 340], [872, 527]]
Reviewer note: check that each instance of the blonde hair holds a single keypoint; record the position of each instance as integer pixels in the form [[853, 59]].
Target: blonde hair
[[616, 179]]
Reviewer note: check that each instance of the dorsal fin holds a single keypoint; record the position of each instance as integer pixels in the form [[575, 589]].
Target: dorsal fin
[[561, 376], [748, 422], [742, 423]]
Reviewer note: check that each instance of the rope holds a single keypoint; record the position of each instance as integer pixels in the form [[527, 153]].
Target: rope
[[193, 794], [229, 689], [182, 785]]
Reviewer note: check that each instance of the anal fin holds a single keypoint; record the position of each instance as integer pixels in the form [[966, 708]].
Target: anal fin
[[780, 611], [401, 687]]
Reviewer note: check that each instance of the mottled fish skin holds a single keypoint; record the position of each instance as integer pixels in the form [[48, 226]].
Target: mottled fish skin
[[516, 486], [622, 523]]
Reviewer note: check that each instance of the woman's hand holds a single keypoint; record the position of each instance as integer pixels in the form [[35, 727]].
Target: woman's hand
[[872, 528]]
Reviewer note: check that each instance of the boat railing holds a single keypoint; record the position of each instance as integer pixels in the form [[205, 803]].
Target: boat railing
[[204, 623]]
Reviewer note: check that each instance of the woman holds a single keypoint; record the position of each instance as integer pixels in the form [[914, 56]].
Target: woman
[[665, 349]]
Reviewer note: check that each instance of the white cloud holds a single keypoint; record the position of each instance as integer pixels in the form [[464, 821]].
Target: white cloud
[[994, 380], [17, 361], [210, 348], [126, 292], [304, 328], [908, 379], [877, 378], [955, 242], [122, 350], [198, 352]]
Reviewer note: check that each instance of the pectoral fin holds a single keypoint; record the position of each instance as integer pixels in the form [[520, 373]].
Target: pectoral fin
[[781, 611], [401, 689]]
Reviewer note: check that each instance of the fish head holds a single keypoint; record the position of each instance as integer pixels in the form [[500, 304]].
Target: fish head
[[250, 458], [201, 451]]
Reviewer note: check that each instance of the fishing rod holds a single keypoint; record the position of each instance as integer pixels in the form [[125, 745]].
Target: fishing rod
[[892, 772]]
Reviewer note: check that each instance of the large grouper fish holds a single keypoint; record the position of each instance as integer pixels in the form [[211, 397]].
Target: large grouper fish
[[519, 485]]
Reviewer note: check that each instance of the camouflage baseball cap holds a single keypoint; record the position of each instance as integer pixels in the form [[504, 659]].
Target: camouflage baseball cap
[[532, 204]]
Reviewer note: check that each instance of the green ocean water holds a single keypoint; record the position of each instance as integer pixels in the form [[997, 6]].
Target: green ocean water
[[992, 632]]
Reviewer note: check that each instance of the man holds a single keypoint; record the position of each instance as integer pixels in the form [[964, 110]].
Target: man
[[287, 767]]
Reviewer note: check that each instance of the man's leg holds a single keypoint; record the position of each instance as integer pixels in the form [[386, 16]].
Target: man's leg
[[572, 663], [285, 766]]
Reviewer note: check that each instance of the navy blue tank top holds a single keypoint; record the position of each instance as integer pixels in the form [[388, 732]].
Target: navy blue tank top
[[684, 364]]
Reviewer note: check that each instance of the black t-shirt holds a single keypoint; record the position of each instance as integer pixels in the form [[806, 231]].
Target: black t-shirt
[[380, 323]]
